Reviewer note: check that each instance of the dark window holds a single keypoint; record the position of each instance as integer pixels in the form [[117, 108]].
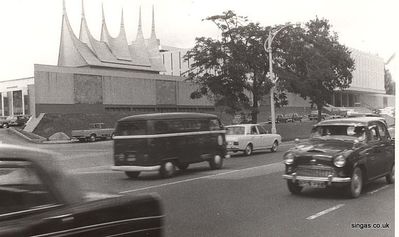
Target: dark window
[[374, 136], [261, 130], [131, 128], [21, 188], [253, 130]]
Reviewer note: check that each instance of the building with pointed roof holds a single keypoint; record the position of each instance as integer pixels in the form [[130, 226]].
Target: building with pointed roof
[[108, 52]]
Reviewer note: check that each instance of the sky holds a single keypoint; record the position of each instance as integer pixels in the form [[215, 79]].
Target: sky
[[31, 28]]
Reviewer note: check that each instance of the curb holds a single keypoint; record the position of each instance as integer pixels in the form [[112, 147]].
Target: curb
[[16, 132]]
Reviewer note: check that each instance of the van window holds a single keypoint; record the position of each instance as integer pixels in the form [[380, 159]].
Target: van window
[[214, 124], [131, 128]]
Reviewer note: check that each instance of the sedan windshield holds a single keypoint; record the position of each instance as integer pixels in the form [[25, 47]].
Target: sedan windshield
[[342, 132], [235, 130]]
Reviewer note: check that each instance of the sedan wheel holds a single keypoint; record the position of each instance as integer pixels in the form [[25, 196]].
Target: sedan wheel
[[93, 137], [294, 188], [356, 184], [216, 162], [168, 169], [391, 176], [274, 147], [5, 125], [248, 150]]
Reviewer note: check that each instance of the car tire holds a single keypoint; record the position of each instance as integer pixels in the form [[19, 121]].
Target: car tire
[[168, 169], [132, 174], [356, 185], [248, 150], [182, 166], [294, 188], [274, 146], [92, 138], [391, 176], [5, 125], [216, 162]]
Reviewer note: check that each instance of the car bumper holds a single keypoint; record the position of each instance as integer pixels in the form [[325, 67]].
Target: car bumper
[[135, 168], [330, 179]]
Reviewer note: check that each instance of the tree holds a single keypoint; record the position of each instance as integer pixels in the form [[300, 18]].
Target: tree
[[389, 83], [312, 63], [230, 68]]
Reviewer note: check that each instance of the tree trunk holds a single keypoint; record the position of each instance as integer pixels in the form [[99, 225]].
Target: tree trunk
[[254, 110]]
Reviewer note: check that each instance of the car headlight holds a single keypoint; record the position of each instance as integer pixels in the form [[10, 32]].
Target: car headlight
[[339, 161], [289, 158]]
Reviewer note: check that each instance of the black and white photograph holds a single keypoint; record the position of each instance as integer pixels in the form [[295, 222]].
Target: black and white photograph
[[180, 118]]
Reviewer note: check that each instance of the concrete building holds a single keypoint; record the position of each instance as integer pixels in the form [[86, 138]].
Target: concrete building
[[14, 96]]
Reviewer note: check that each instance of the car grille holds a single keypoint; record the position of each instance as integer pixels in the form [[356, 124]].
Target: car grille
[[315, 171]]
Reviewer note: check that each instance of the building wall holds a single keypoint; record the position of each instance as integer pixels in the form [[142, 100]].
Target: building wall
[[88, 90]]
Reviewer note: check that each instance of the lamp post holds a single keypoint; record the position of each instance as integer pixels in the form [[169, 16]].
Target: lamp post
[[268, 48]]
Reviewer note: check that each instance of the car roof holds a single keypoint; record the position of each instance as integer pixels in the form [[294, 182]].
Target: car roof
[[242, 125], [177, 115], [363, 121]]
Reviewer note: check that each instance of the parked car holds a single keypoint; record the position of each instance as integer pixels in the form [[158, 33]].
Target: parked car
[[4, 122], [95, 132], [347, 153], [18, 120], [293, 117], [164, 142], [280, 118], [250, 137], [38, 199]]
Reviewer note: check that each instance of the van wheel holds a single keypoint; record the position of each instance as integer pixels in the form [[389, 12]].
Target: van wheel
[[391, 176], [216, 162], [248, 150], [274, 147], [355, 187], [92, 137], [294, 188], [132, 174], [182, 166], [168, 169]]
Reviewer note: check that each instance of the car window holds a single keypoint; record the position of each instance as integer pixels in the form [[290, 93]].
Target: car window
[[382, 131], [344, 132], [374, 136], [253, 130], [131, 128], [214, 124], [21, 189], [261, 130]]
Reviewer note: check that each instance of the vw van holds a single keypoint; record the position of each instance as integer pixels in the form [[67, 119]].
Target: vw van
[[163, 142]]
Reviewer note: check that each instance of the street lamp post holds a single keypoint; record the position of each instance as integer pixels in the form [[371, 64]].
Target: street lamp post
[[268, 49]]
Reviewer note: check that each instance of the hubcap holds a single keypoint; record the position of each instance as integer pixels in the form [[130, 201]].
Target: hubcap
[[274, 146], [217, 159], [248, 150], [169, 167]]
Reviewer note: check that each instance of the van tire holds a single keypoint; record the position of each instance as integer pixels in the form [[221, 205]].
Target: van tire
[[132, 174], [168, 169], [216, 162]]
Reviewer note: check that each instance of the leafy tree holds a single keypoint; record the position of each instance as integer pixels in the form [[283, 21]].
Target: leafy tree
[[312, 63], [232, 67], [389, 83]]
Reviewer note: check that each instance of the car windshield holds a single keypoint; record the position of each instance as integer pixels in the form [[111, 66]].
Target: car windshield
[[238, 130], [341, 132]]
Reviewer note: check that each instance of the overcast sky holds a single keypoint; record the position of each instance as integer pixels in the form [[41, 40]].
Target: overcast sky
[[31, 28]]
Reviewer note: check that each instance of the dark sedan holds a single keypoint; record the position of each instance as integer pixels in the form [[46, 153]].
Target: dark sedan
[[342, 152], [38, 199]]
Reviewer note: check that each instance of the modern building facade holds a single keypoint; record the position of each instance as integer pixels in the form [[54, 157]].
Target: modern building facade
[[14, 96]]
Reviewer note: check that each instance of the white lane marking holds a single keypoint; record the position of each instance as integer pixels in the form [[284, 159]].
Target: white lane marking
[[325, 212], [378, 189], [198, 178]]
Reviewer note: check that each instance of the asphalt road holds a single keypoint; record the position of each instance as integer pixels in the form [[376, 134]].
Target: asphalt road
[[246, 198]]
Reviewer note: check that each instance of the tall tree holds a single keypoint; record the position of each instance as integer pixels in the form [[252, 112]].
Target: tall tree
[[389, 83], [230, 67], [312, 63]]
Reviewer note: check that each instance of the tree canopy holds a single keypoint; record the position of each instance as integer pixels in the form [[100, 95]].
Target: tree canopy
[[309, 61]]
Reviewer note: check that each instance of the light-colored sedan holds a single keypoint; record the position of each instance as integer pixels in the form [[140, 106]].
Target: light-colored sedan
[[250, 137]]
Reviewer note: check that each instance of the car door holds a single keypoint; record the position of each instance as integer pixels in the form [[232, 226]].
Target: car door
[[255, 137], [386, 147], [375, 159], [265, 139]]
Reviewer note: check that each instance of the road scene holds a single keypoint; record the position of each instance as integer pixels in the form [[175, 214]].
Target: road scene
[[248, 197]]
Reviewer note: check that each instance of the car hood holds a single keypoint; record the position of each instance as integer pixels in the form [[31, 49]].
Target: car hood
[[325, 147]]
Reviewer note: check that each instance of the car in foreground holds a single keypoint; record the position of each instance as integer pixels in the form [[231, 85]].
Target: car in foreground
[[38, 199], [250, 137], [347, 153]]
